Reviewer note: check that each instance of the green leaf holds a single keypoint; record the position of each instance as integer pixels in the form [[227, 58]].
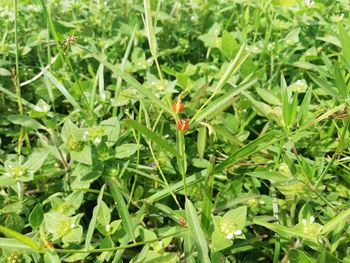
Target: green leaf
[[152, 136], [228, 44], [129, 79], [62, 89], [283, 230], [238, 216], [126, 150], [93, 220], [112, 130], [9, 243], [36, 217], [197, 232], [254, 146], [22, 238], [340, 82], [51, 257], [104, 215], [345, 44], [84, 156], [121, 207], [220, 104], [26, 121], [201, 141], [35, 161], [332, 224]]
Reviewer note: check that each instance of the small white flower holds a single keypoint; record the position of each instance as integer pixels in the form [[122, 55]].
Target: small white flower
[[108, 227], [303, 221], [262, 202], [103, 96], [160, 243], [229, 236], [72, 225], [97, 140], [312, 219], [238, 232], [86, 135], [20, 173]]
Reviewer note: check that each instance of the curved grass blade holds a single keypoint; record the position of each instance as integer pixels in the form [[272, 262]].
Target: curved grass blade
[[152, 136], [93, 220], [9, 243], [223, 102], [62, 89], [254, 146], [197, 232], [128, 78], [332, 224], [121, 207], [22, 238]]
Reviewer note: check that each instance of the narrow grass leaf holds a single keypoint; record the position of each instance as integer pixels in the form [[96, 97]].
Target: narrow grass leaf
[[220, 104], [201, 141], [129, 79], [9, 243], [149, 28], [175, 187], [22, 238], [254, 146], [197, 232], [93, 220], [121, 207], [152, 136], [340, 82], [283, 230], [334, 223], [345, 44], [304, 108], [62, 89], [208, 197]]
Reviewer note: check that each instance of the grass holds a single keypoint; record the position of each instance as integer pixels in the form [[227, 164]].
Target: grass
[[144, 131]]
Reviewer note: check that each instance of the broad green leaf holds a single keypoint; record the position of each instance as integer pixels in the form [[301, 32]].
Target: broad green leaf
[[197, 232], [22, 238], [104, 215], [62, 89], [152, 136], [36, 217], [126, 150], [228, 44], [83, 156], [112, 130], [35, 161], [51, 257], [26, 121], [121, 207]]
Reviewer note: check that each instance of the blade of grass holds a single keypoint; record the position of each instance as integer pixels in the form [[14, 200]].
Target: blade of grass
[[121, 207], [222, 103], [21, 238], [197, 232], [334, 223], [254, 146], [234, 65], [128, 78], [207, 197], [152, 136], [93, 220], [62, 89], [175, 187], [9, 243]]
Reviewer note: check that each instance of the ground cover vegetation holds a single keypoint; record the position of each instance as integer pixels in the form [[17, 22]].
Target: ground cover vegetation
[[174, 131]]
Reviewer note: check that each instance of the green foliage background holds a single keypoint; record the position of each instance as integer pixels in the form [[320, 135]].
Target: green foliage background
[[94, 168]]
